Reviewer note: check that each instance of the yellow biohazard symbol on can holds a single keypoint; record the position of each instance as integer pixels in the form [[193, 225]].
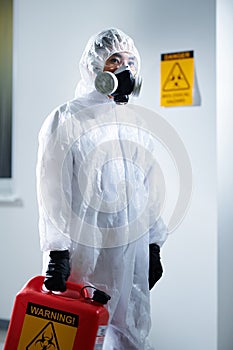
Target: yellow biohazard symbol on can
[[46, 339]]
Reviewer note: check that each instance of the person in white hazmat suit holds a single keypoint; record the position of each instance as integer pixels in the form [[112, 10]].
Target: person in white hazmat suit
[[99, 217]]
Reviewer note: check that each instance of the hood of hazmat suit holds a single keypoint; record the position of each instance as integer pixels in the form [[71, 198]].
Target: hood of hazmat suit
[[99, 48], [97, 185]]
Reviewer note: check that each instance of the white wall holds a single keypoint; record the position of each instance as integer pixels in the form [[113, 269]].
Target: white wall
[[49, 39], [225, 171], [184, 304]]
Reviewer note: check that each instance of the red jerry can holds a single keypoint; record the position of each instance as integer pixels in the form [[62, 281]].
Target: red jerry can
[[43, 320]]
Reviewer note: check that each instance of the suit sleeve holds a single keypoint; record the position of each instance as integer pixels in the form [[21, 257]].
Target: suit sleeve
[[158, 232], [54, 183]]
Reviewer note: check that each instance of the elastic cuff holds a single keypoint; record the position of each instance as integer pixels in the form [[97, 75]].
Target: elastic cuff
[[59, 254]]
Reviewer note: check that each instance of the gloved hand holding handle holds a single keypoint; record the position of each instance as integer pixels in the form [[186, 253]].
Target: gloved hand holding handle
[[58, 271], [155, 266]]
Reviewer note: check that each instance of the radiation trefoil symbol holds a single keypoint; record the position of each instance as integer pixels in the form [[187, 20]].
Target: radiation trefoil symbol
[[46, 339], [176, 79]]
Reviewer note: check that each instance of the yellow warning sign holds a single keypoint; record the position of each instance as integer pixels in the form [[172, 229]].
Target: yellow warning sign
[[177, 79], [45, 328]]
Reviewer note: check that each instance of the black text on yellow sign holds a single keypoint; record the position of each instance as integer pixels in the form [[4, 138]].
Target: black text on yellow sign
[[47, 328], [177, 79]]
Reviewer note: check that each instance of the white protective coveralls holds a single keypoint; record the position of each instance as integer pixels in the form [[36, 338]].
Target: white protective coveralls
[[97, 195]]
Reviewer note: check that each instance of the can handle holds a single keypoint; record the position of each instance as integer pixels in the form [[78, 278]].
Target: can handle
[[36, 284]]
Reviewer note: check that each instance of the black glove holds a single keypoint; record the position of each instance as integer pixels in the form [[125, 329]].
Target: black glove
[[155, 266], [58, 271]]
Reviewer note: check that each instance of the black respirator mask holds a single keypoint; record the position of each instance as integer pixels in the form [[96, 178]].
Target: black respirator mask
[[119, 84]]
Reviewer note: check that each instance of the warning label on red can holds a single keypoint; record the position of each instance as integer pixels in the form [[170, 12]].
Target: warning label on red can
[[47, 328], [100, 337]]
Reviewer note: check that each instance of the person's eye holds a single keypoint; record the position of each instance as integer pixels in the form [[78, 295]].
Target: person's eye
[[131, 63], [115, 60]]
